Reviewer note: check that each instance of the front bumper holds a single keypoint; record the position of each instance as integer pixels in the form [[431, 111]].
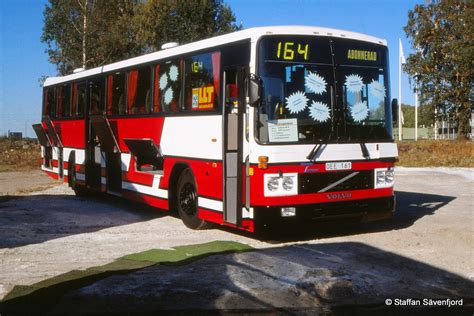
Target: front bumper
[[353, 211]]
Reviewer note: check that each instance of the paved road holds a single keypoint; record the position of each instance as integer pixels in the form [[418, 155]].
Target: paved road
[[424, 252]]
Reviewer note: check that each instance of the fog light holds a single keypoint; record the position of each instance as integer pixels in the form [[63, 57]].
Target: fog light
[[288, 211]]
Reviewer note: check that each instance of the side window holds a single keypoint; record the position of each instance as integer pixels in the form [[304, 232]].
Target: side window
[[116, 102], [139, 90], [168, 86], [49, 102], [78, 98], [96, 93], [64, 101], [202, 82]]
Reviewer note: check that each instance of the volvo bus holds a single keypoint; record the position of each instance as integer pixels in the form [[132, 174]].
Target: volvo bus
[[253, 128]]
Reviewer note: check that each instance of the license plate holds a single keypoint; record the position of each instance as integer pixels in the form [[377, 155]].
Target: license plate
[[345, 165]]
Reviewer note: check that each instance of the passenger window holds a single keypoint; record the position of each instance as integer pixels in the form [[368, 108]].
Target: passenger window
[[64, 101], [49, 102], [139, 90], [168, 86], [202, 77], [78, 98], [96, 101], [116, 102]]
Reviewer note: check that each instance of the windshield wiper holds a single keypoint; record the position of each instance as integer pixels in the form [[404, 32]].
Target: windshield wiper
[[316, 151], [365, 151]]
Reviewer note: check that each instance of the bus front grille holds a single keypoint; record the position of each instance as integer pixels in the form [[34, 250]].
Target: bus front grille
[[335, 181]]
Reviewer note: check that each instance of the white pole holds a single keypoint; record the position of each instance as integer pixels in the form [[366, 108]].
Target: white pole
[[436, 123], [416, 111], [400, 91]]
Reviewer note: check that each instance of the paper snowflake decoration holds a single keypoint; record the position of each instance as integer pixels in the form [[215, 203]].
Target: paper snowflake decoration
[[377, 89], [315, 83], [359, 111], [173, 73], [353, 83], [319, 111], [168, 97], [163, 81], [296, 102]]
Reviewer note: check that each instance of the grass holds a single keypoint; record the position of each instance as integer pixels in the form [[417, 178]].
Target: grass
[[45, 294], [19, 155], [436, 153]]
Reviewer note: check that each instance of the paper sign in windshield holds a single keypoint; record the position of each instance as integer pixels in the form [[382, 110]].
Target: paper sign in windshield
[[319, 111], [377, 89], [354, 83], [360, 111], [203, 98], [283, 130], [315, 83], [296, 102]]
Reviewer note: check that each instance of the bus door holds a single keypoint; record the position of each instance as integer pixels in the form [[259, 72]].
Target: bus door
[[93, 153], [110, 148], [52, 131], [232, 129]]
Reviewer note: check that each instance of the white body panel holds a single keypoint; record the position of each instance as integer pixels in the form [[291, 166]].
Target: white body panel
[[330, 152], [193, 136]]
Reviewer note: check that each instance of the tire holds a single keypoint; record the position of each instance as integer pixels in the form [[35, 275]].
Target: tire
[[72, 180], [187, 201]]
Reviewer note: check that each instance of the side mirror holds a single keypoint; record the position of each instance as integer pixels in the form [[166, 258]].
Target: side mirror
[[394, 110], [254, 90]]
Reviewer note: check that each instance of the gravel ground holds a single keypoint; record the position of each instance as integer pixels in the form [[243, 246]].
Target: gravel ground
[[425, 251]]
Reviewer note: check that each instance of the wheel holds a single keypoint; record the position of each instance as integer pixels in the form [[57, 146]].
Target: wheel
[[187, 201], [72, 180]]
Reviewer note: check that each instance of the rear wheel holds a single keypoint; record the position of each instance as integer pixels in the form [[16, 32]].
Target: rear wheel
[[72, 179], [187, 201]]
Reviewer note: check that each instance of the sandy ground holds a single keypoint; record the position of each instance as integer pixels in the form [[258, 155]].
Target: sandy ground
[[425, 251]]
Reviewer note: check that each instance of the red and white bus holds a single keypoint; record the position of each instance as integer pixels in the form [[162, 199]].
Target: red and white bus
[[261, 126]]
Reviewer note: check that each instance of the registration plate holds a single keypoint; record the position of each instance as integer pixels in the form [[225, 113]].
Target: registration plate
[[344, 165]]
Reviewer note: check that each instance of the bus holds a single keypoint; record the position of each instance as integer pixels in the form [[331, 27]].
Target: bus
[[260, 127]]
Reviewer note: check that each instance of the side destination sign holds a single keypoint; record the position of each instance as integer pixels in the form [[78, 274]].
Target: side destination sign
[[361, 55]]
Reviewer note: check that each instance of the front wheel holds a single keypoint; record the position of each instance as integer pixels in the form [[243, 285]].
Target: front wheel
[[187, 201]]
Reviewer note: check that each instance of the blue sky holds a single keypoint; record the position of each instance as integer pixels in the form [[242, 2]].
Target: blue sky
[[23, 60]]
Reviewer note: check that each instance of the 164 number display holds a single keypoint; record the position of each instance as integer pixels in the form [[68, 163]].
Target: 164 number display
[[292, 50]]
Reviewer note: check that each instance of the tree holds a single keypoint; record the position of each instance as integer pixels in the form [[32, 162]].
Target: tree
[[441, 34], [183, 21], [90, 33]]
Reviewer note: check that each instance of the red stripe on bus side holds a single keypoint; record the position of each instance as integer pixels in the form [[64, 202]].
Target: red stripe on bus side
[[146, 199]]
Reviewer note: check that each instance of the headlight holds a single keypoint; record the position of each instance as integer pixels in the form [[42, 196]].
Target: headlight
[[272, 184], [288, 183], [280, 184], [384, 178], [380, 177], [389, 176]]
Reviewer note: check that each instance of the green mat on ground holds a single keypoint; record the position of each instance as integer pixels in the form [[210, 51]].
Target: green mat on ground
[[48, 291]]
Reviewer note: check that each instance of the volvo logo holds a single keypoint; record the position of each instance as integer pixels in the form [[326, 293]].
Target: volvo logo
[[338, 196]]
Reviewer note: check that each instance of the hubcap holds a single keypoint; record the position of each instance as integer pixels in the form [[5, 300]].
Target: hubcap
[[187, 199]]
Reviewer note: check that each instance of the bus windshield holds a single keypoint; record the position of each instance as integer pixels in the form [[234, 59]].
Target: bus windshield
[[322, 90]]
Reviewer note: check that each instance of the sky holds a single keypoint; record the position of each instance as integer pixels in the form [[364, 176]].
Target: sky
[[23, 60]]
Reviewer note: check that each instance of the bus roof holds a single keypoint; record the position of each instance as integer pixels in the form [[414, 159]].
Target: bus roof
[[252, 33]]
